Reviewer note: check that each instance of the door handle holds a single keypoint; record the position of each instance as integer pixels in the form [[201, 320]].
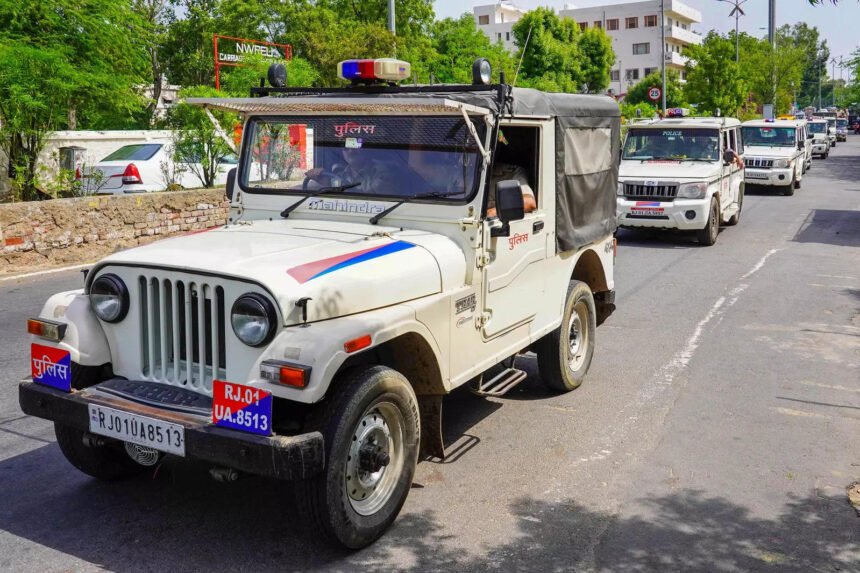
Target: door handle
[[537, 227]]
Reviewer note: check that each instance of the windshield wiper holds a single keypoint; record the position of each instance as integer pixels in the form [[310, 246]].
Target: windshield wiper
[[375, 219], [321, 191]]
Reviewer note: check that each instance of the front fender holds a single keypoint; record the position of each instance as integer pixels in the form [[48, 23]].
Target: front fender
[[85, 340], [320, 345]]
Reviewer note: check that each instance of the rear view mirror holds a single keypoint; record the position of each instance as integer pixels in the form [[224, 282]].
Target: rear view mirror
[[728, 156], [509, 201], [810, 136], [231, 182], [801, 146]]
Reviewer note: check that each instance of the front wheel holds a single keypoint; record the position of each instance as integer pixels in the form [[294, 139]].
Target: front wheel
[[564, 355], [788, 190], [371, 428], [708, 235], [103, 459]]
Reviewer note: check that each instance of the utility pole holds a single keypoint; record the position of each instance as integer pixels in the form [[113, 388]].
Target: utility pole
[[663, 50], [391, 16], [737, 13], [819, 82], [771, 36]]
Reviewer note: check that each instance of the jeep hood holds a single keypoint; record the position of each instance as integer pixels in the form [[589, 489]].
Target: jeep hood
[[770, 152], [669, 170], [345, 268]]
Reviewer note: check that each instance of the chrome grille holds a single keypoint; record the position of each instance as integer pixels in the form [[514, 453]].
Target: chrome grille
[[759, 163], [182, 332], [660, 191]]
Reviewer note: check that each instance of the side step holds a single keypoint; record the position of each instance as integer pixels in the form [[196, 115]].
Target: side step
[[501, 384]]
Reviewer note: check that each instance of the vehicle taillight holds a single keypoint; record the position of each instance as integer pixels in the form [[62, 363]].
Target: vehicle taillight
[[131, 176]]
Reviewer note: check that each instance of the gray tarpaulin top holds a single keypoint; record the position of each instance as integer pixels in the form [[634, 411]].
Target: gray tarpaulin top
[[587, 136]]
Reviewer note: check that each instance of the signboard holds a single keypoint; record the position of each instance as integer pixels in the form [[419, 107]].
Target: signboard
[[768, 111], [51, 366], [241, 407], [654, 93], [230, 51]]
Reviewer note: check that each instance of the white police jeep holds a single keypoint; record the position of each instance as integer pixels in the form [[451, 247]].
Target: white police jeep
[[361, 277], [776, 153], [680, 173]]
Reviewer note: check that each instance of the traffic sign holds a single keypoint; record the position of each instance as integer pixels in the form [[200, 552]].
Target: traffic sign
[[654, 93]]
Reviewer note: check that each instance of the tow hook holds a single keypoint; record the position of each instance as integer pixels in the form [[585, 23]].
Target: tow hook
[[224, 475], [93, 441]]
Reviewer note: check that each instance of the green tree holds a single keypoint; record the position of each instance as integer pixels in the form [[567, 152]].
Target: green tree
[[550, 51], [817, 54], [65, 65], [674, 89], [597, 59], [457, 43], [188, 48], [714, 80], [771, 73], [197, 141]]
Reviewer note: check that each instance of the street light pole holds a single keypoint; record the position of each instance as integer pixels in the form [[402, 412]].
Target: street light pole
[[737, 13], [663, 50]]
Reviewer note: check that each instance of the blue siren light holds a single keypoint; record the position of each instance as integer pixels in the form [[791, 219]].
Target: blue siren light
[[378, 70]]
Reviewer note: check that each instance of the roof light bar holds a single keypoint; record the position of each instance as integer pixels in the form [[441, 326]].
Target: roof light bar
[[378, 70]]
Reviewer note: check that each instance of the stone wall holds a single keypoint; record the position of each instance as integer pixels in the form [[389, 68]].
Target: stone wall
[[44, 234]]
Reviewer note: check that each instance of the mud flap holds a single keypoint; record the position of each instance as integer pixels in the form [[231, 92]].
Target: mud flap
[[432, 440]]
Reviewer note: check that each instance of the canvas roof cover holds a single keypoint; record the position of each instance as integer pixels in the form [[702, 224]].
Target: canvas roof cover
[[587, 136]]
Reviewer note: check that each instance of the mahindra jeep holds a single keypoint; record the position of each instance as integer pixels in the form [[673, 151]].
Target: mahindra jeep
[[386, 245]]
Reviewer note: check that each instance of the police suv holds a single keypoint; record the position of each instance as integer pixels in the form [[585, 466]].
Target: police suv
[[820, 139], [682, 173], [386, 244], [776, 153]]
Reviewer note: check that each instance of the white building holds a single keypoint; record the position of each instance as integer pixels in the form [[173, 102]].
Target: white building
[[633, 26]]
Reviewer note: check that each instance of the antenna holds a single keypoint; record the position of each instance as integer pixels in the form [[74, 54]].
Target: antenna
[[522, 55]]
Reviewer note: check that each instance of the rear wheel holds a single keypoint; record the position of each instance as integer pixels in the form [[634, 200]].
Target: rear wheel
[[564, 355], [371, 428], [708, 235], [101, 458]]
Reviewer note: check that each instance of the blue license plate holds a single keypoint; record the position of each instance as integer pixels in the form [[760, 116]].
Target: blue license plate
[[241, 407]]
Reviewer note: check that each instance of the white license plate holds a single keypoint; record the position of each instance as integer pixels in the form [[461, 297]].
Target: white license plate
[[157, 434], [647, 212], [754, 175]]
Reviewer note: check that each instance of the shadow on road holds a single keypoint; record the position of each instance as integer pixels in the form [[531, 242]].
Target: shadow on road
[[182, 521], [832, 227], [656, 239]]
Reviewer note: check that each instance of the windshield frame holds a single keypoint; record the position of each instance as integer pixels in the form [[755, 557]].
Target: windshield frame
[[656, 131], [748, 143], [248, 129], [822, 131]]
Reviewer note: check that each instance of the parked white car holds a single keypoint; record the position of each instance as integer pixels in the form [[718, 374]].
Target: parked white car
[[674, 175], [776, 153], [138, 168]]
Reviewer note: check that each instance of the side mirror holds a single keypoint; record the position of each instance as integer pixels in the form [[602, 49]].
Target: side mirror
[[231, 182], [801, 146], [509, 201], [810, 136], [728, 156]]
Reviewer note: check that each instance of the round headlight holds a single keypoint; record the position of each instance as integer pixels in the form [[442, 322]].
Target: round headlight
[[109, 298], [481, 72], [253, 318]]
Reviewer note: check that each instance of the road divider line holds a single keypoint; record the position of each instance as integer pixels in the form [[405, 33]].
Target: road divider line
[[45, 272]]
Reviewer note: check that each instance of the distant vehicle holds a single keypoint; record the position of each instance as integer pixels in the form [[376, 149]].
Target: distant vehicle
[[776, 153], [820, 141], [138, 168], [682, 174], [841, 129]]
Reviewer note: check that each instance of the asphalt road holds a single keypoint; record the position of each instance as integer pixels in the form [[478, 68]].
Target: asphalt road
[[717, 431]]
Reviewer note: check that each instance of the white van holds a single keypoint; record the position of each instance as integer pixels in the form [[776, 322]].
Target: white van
[[674, 175], [776, 153]]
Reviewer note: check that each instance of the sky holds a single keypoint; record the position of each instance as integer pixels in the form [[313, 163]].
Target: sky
[[837, 24]]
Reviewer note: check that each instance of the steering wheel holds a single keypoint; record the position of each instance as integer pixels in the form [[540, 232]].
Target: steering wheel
[[322, 172]]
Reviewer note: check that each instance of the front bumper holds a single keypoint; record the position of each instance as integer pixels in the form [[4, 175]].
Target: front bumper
[[776, 177], [841, 137], [819, 148], [664, 214], [279, 457]]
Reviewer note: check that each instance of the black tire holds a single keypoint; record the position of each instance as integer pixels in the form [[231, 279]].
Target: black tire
[[384, 398], [107, 462], [797, 183], [560, 371], [708, 235], [788, 190], [737, 216]]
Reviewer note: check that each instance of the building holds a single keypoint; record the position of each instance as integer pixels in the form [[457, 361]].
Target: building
[[496, 21], [633, 26]]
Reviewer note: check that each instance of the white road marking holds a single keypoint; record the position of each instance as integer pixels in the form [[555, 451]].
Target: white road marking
[[839, 277], [47, 272]]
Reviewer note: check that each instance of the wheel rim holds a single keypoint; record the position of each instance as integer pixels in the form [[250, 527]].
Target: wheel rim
[[714, 222], [375, 458], [577, 336]]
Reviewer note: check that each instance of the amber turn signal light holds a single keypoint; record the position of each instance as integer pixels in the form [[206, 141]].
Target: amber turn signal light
[[47, 329], [357, 344], [286, 373]]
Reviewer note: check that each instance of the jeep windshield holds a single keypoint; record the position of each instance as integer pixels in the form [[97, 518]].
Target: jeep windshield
[[681, 144], [769, 136], [819, 127], [841, 123], [395, 157]]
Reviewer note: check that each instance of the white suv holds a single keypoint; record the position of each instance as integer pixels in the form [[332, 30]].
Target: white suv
[[682, 174], [776, 153]]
